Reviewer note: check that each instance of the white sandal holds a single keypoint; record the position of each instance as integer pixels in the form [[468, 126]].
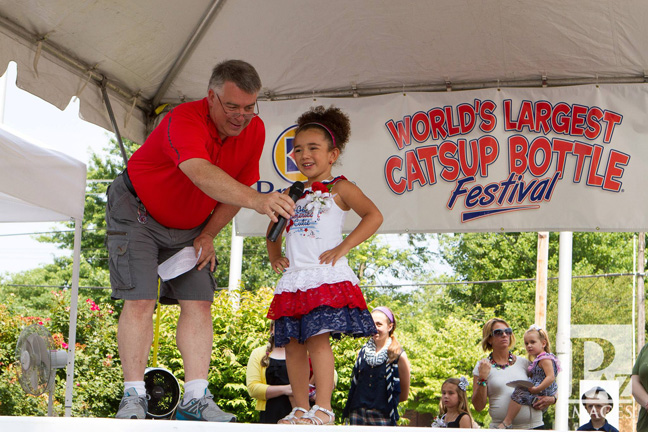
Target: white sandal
[[312, 419], [292, 418]]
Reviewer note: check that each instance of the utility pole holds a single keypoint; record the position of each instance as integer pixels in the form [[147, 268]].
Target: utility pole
[[541, 280], [641, 294]]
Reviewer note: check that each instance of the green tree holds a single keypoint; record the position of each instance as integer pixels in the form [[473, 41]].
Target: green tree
[[97, 378], [447, 349], [496, 256], [501, 256]]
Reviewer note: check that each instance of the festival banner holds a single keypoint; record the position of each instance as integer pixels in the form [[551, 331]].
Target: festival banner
[[542, 159]]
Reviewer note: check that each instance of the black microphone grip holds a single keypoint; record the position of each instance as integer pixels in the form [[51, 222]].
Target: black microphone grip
[[295, 192]]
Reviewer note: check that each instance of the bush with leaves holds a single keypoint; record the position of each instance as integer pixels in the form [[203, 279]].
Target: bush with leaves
[[97, 377], [12, 398]]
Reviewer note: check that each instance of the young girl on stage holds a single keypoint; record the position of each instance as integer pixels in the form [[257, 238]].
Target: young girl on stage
[[542, 371], [318, 294], [453, 409]]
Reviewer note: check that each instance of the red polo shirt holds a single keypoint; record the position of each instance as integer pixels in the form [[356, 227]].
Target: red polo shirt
[[187, 132]]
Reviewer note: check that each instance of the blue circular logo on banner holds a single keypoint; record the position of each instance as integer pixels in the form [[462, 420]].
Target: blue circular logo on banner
[[283, 156]]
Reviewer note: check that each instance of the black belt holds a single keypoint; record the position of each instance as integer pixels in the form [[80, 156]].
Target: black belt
[[128, 183]]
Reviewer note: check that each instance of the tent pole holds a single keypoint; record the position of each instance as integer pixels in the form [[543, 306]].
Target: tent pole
[[563, 334], [111, 114], [74, 302], [236, 265], [634, 297], [634, 318]]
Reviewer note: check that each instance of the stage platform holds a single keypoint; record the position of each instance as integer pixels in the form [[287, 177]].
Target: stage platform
[[72, 424]]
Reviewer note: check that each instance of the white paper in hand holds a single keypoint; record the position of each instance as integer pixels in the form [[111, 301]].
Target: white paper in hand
[[179, 263], [520, 383]]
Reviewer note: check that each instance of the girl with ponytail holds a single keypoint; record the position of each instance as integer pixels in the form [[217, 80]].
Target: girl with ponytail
[[267, 381], [381, 376]]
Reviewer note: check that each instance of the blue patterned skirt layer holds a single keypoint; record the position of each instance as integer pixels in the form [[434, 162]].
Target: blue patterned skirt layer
[[324, 319]]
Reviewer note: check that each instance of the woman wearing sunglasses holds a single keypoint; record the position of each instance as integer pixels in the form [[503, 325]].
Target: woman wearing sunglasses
[[491, 375]]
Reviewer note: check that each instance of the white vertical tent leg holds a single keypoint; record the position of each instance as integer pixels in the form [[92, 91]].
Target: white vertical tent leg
[[236, 265], [74, 301], [634, 302], [563, 334]]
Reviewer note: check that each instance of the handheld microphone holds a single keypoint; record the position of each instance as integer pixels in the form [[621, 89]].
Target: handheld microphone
[[296, 191]]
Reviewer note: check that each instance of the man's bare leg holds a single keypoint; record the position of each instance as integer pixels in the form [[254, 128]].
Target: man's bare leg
[[134, 337], [195, 338]]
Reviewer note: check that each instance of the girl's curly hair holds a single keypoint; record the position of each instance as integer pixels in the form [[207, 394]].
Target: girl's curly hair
[[333, 118]]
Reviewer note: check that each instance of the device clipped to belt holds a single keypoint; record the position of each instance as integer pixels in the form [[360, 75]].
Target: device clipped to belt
[[141, 210]]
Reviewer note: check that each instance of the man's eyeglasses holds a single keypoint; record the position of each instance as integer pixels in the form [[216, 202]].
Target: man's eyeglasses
[[501, 332], [234, 113]]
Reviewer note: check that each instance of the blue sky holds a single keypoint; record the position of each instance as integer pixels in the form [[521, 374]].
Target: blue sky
[[49, 127]]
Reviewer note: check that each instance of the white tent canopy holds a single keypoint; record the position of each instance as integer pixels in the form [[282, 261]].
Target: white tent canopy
[[162, 51], [149, 52], [41, 185], [37, 184]]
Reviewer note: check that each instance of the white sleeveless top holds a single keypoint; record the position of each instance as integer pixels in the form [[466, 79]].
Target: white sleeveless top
[[311, 232]]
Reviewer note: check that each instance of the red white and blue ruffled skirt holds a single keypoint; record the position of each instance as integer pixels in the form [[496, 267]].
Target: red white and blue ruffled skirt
[[315, 300]]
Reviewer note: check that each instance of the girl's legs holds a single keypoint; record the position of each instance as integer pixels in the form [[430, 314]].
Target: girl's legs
[[513, 410], [319, 348], [298, 374]]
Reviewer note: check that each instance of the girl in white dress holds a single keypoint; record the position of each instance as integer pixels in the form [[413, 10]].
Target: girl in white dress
[[318, 294]]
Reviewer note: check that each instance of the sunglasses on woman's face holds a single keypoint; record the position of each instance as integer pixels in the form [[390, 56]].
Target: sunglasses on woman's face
[[501, 332]]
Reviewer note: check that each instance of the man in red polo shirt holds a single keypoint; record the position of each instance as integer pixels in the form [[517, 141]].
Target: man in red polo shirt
[[187, 181]]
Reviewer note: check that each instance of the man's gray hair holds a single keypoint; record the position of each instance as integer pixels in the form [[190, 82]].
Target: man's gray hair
[[239, 72]]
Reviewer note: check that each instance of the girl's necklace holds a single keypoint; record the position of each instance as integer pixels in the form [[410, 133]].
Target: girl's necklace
[[511, 360]]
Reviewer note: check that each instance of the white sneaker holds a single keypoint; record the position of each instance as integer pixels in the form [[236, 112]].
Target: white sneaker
[[203, 409]]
